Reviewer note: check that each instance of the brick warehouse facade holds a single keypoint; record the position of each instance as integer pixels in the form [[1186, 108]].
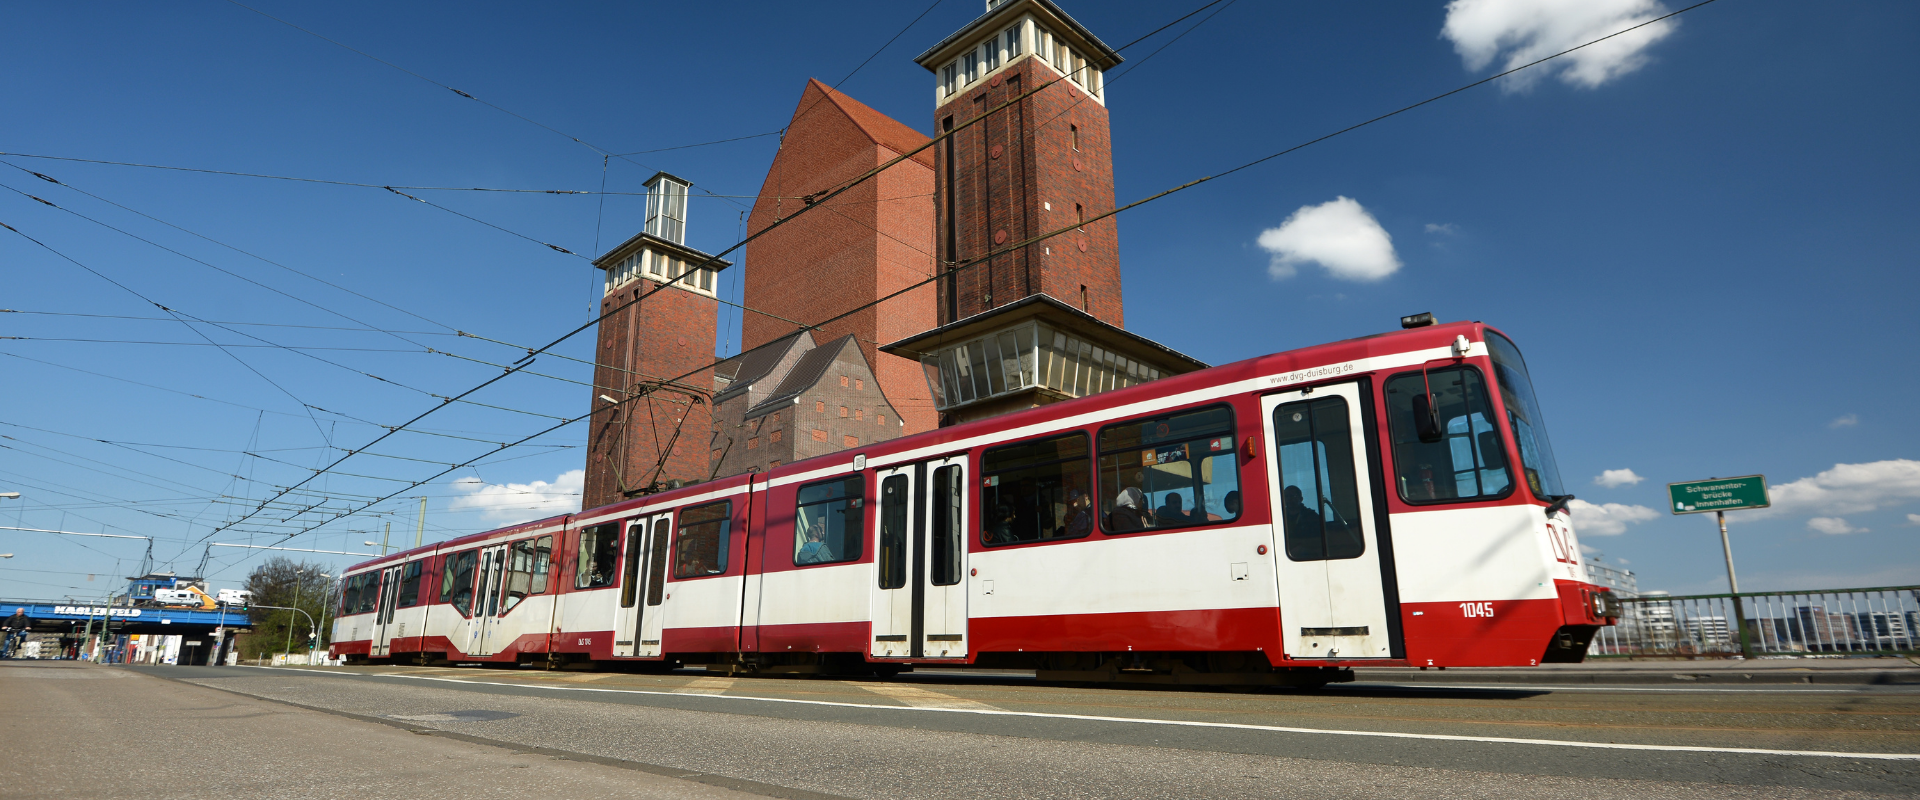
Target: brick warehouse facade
[[874, 240], [656, 432], [1036, 166]]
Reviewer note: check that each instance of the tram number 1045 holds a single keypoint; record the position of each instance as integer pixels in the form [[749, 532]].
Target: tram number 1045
[[1480, 609]]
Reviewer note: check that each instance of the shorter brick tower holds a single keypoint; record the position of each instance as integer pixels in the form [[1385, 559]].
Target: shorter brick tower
[[653, 373]]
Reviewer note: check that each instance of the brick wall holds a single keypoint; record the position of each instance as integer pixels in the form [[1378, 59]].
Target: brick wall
[[1006, 172], [844, 409], [867, 243], [664, 336]]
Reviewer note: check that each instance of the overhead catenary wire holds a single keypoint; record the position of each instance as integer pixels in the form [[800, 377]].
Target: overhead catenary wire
[[1277, 154], [685, 275]]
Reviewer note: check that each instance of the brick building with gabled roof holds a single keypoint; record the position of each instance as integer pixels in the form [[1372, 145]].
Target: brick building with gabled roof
[[870, 242], [793, 400]]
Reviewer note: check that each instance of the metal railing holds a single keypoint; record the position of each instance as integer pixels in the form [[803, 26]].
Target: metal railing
[[1871, 621]]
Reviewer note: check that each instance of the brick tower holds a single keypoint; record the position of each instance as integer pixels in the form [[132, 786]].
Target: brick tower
[[1035, 166], [1023, 326], [653, 377], [863, 245]]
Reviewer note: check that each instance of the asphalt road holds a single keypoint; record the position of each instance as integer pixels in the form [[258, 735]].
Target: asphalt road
[[935, 736]]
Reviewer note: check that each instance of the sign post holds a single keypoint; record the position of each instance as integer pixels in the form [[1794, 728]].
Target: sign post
[[1720, 495]]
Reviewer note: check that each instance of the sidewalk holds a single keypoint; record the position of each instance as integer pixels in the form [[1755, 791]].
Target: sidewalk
[[1849, 671], [83, 730]]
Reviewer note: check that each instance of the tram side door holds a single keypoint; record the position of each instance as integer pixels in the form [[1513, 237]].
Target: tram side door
[[1333, 598], [643, 573], [486, 600], [920, 600], [383, 628]]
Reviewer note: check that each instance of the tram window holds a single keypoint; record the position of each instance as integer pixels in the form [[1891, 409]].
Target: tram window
[[827, 522], [1469, 461], [1523, 413], [701, 547], [542, 563], [657, 561], [350, 593], [410, 585], [630, 568], [369, 593], [1184, 466], [944, 546], [599, 546], [519, 574], [893, 532], [1037, 491], [456, 581], [1320, 497]]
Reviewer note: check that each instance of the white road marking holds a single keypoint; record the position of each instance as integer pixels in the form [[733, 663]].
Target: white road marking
[[1755, 689], [920, 698], [1180, 723], [705, 686]]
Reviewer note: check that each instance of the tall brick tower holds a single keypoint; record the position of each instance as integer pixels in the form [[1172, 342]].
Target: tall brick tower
[[653, 376], [1032, 167], [1034, 324], [863, 245]]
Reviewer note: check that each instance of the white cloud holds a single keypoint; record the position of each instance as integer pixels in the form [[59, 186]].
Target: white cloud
[[1524, 31], [1616, 478], [1913, 519], [1607, 519], [1623, 562], [1832, 526], [1849, 489], [1844, 421], [519, 502], [1447, 228], [1338, 235]]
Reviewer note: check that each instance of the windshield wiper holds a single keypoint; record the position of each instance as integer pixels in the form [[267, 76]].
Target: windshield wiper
[[1559, 504]]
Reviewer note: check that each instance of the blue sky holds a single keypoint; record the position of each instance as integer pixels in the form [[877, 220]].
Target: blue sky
[[1700, 238]]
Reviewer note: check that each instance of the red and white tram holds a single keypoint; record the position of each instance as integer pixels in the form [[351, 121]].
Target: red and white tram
[[1388, 500]]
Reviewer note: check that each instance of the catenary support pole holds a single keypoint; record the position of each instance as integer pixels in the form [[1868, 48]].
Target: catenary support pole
[[1733, 583]]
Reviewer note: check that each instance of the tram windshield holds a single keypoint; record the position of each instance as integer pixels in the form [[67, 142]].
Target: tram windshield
[[1523, 415]]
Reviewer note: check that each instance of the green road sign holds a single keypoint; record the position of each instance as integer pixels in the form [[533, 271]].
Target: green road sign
[[1719, 494]]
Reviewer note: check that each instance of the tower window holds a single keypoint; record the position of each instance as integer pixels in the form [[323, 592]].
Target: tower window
[[706, 280], [1079, 66], [1042, 43], [1073, 131], [993, 54], [654, 263], [1080, 217], [973, 66], [1013, 42], [948, 80]]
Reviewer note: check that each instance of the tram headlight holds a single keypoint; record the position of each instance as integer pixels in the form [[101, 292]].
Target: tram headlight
[[1599, 604]]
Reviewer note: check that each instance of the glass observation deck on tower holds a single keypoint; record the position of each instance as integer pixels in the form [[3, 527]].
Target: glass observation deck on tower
[[1039, 345]]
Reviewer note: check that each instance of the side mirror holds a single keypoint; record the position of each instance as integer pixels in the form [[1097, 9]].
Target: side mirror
[[1492, 455], [1425, 423]]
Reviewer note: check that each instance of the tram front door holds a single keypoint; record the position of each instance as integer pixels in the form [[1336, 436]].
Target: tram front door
[[920, 598], [1333, 597], [486, 601], [383, 627]]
